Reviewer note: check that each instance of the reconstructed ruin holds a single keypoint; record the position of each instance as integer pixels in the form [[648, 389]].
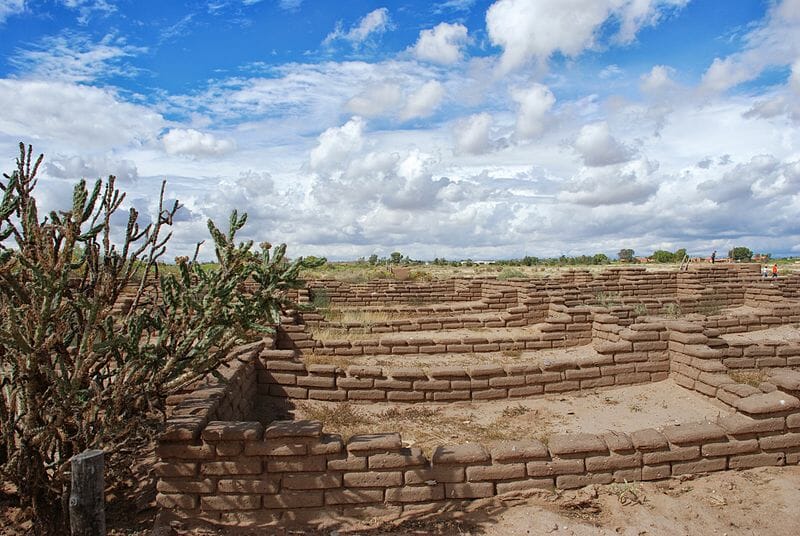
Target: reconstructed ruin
[[222, 460]]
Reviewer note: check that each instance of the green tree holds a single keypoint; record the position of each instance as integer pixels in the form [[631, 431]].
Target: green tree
[[600, 258], [396, 257], [373, 259], [740, 254], [679, 254], [74, 374], [663, 256], [625, 255]]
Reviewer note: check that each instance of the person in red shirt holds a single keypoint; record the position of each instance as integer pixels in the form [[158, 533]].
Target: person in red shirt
[[774, 271]]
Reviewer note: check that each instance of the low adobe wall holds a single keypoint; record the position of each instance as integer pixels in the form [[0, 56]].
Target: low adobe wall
[[242, 472], [639, 355]]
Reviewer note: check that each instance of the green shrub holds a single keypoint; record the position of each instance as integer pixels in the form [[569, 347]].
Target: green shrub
[[510, 273]]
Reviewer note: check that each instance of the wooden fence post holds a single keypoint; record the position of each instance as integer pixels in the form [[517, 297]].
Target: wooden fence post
[[87, 514]]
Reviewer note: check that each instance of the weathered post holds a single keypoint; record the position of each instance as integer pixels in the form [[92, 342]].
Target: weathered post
[[87, 514]]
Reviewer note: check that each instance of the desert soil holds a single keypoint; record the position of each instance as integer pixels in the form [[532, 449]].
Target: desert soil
[[425, 361], [427, 425]]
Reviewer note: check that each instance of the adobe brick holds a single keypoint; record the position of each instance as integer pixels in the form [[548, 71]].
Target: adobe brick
[[367, 394], [302, 481], [747, 461], [242, 466], [560, 387], [442, 396], [524, 485], [469, 490], [441, 473], [412, 494], [203, 451], [431, 385], [230, 502], [254, 486], [489, 394], [353, 496], [485, 371], [597, 464], [175, 469], [500, 471], [572, 445], [334, 396], [392, 384], [649, 439], [627, 475], [506, 381], [406, 457], [699, 466], [528, 390], [294, 499], [275, 447], [364, 443], [405, 396], [522, 450], [180, 501], [693, 433], [729, 447], [656, 472], [554, 467], [633, 377], [579, 481], [583, 373], [291, 464], [544, 377], [675, 454], [303, 428], [325, 382], [782, 441], [354, 383], [459, 454], [350, 463], [618, 442], [175, 485]]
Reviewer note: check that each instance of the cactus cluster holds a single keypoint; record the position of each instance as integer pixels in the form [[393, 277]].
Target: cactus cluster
[[76, 371]]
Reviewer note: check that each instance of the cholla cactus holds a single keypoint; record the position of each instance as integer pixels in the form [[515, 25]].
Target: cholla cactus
[[77, 374]]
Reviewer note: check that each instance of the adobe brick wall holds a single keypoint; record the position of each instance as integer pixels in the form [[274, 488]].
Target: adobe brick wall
[[638, 355], [291, 471], [217, 465]]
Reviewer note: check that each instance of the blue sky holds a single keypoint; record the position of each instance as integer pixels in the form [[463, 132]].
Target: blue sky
[[465, 128]]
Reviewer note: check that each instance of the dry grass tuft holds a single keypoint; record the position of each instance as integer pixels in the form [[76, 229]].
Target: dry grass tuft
[[749, 377]]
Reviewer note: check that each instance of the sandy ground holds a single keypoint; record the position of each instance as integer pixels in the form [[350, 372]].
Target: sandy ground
[[428, 425], [780, 333]]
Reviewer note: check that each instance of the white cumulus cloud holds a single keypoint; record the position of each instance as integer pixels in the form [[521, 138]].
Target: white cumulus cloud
[[441, 44], [374, 22], [191, 142], [424, 101], [534, 104], [528, 30], [376, 100], [472, 134], [658, 80], [599, 148]]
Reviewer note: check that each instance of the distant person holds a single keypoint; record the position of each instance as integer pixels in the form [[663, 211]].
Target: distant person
[[774, 271], [714, 257], [765, 271]]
